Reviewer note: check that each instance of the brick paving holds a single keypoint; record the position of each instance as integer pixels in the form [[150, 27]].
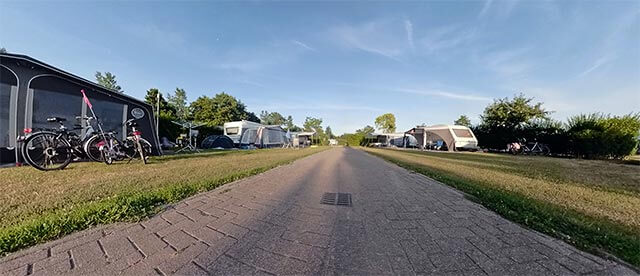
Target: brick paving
[[273, 223]]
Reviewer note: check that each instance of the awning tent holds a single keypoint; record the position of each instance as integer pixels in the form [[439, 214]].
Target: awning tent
[[451, 137], [32, 91], [264, 137], [384, 139]]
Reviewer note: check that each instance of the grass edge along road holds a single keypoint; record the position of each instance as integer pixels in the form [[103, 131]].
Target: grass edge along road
[[121, 207], [596, 235]]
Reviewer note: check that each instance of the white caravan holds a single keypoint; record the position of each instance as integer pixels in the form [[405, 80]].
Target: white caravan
[[234, 130]]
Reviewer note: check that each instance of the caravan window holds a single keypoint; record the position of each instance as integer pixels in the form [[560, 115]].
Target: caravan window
[[463, 133], [232, 130]]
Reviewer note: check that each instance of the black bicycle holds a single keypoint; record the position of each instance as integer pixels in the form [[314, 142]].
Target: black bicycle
[[108, 148], [54, 149]]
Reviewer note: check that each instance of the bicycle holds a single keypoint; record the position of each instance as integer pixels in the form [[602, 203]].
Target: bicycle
[[107, 148], [523, 148], [54, 149]]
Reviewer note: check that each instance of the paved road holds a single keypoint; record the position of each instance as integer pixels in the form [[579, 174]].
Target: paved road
[[274, 223]]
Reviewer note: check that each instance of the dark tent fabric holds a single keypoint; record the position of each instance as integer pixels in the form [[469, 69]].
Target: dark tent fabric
[[32, 91], [217, 141]]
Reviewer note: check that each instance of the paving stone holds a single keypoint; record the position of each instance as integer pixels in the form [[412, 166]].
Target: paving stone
[[183, 257], [226, 265], [149, 243], [179, 240], [21, 261], [231, 229]]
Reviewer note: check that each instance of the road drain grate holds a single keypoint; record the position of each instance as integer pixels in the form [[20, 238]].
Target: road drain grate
[[340, 199]]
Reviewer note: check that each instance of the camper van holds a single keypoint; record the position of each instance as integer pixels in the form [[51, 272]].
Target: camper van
[[234, 130]]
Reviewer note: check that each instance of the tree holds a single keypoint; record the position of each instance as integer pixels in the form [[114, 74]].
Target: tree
[[315, 124], [220, 109], [179, 102], [167, 115], [463, 120], [2, 50], [252, 117], [203, 110], [504, 121], [329, 133], [152, 99], [386, 123], [272, 118], [312, 124], [366, 130], [513, 113], [108, 80], [290, 126]]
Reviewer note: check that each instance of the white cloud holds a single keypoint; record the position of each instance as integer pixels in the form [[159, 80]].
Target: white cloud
[[447, 37], [153, 34], [502, 8], [508, 63], [596, 64], [485, 8], [377, 37], [256, 57], [445, 94], [303, 45], [322, 107], [409, 28]]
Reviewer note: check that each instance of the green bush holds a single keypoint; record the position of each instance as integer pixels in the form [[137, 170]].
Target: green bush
[[352, 139], [598, 136], [168, 128]]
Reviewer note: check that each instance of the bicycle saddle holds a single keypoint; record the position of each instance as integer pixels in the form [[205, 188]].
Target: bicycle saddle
[[55, 119]]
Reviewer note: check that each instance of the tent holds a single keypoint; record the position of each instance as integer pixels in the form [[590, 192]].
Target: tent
[[384, 139], [302, 139], [407, 141], [32, 91], [217, 142], [444, 137], [264, 137]]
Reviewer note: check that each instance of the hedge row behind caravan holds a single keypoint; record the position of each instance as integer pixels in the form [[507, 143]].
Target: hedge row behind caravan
[[32, 91]]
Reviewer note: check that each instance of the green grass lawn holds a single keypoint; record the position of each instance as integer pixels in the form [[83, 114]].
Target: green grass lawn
[[594, 205], [39, 206]]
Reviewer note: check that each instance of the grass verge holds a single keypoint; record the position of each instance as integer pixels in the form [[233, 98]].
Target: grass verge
[[127, 204], [591, 233]]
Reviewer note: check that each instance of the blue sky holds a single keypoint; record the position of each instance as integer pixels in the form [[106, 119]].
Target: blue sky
[[347, 62]]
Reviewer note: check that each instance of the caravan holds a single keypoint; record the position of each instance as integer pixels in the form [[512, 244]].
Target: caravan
[[234, 130]]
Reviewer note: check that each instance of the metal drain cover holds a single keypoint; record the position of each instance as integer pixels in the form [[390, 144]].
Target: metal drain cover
[[340, 199]]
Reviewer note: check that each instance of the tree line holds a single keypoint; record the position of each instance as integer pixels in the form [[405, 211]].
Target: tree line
[[521, 119], [386, 123], [213, 112]]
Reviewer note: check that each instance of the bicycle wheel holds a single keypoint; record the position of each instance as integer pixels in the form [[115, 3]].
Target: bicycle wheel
[[92, 148], [47, 151]]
